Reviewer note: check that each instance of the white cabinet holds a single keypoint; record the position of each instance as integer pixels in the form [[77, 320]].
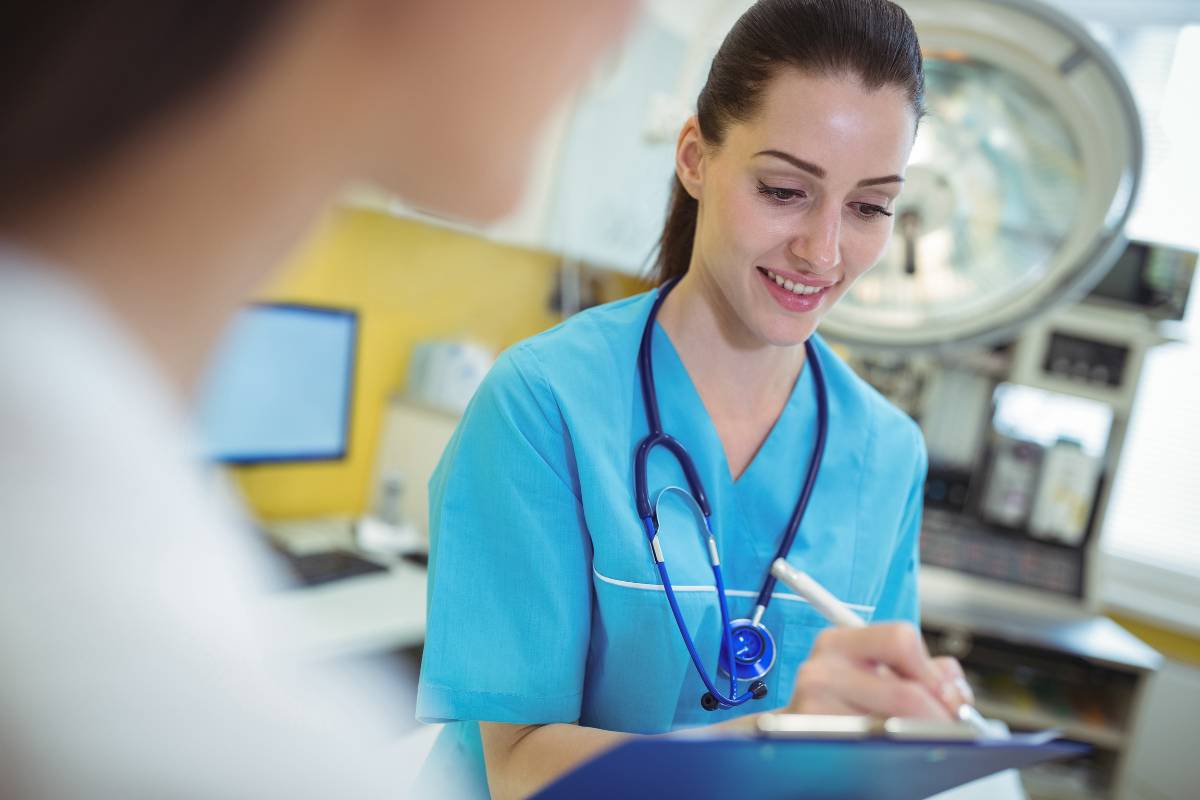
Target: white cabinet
[[614, 178]]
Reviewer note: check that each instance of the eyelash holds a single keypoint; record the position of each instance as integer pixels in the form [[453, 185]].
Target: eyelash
[[876, 211], [783, 196], [777, 195]]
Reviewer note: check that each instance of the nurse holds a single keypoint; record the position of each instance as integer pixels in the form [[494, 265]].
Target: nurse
[[550, 634]]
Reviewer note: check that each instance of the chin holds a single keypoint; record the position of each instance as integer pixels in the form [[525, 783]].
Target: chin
[[788, 333]]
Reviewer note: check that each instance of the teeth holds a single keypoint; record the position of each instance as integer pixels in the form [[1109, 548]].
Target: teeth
[[792, 286]]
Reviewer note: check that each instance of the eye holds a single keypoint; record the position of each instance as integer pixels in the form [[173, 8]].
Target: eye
[[779, 195], [870, 210]]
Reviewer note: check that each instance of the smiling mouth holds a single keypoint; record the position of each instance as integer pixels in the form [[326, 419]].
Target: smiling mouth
[[790, 285]]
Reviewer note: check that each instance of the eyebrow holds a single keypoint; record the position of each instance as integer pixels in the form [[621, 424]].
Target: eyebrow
[[813, 169]]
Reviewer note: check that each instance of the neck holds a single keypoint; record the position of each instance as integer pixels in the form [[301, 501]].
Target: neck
[[730, 366]]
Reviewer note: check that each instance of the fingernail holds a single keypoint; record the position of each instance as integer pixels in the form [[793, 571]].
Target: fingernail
[[949, 694], [967, 692]]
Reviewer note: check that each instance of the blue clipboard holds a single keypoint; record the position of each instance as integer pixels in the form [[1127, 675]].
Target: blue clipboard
[[813, 765]]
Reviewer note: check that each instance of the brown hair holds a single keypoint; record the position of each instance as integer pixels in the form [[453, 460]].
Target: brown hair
[[79, 80], [873, 40]]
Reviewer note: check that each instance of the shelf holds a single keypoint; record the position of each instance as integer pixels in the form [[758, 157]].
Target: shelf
[[951, 600], [1102, 736], [1048, 787]]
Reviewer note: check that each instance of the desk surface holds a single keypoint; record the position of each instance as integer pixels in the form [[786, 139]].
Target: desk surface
[[382, 611], [951, 601]]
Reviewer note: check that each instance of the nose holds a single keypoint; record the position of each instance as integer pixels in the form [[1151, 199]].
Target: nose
[[818, 241]]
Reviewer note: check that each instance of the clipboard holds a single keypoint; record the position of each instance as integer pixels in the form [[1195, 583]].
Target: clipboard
[[794, 756]]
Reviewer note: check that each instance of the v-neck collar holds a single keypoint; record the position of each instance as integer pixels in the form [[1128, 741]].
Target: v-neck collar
[[788, 444], [802, 393]]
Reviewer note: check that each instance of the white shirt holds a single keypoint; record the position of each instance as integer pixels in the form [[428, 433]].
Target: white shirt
[[130, 662]]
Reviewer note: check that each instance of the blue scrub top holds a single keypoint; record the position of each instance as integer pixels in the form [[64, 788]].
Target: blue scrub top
[[544, 602]]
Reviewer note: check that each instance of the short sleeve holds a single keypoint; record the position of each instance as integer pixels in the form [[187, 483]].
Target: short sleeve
[[510, 580], [900, 600]]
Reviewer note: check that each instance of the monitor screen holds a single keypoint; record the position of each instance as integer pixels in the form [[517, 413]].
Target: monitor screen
[[280, 386]]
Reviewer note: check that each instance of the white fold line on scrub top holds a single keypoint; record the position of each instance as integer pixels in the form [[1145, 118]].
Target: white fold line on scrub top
[[655, 587]]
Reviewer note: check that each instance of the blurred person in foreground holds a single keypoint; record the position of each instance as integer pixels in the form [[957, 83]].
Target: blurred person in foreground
[[158, 158]]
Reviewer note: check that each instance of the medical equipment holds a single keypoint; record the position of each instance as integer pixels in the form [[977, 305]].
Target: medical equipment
[[747, 649], [1019, 184]]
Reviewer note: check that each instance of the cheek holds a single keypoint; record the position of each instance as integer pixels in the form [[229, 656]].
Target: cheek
[[862, 249], [748, 230]]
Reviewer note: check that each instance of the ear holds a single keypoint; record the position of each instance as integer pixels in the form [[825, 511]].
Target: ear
[[689, 157]]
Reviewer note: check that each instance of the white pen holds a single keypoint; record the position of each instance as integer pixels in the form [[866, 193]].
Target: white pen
[[836, 612]]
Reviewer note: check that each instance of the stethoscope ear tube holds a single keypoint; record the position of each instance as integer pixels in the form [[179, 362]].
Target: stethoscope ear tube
[[695, 485]]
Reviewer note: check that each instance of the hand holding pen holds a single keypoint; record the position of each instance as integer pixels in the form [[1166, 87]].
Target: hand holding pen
[[883, 669]]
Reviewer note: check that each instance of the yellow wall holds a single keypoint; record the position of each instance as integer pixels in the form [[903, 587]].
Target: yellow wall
[[1174, 645], [408, 281]]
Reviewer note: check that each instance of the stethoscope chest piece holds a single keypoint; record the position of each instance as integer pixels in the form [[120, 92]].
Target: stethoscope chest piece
[[753, 651]]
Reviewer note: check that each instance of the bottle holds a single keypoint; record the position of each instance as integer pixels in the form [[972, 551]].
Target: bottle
[[386, 531], [389, 504], [1065, 493], [1011, 482]]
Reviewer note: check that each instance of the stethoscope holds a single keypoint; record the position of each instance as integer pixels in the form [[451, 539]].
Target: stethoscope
[[748, 640]]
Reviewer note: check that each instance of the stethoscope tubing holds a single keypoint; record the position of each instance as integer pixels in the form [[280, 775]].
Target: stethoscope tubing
[[658, 438], [810, 478], [733, 699]]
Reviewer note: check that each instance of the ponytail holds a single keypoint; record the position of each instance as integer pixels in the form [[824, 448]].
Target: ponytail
[[675, 244]]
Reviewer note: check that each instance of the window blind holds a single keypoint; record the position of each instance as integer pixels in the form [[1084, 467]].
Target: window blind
[[1154, 511]]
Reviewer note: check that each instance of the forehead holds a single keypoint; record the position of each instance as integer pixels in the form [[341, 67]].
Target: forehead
[[831, 121]]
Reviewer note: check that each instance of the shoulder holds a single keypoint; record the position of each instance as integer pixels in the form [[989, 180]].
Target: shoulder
[[592, 340], [594, 351], [892, 434]]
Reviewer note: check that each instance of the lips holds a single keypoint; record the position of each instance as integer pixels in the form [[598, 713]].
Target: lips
[[796, 281], [795, 293]]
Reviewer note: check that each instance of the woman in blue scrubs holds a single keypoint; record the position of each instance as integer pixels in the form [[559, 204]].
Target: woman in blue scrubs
[[550, 635]]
